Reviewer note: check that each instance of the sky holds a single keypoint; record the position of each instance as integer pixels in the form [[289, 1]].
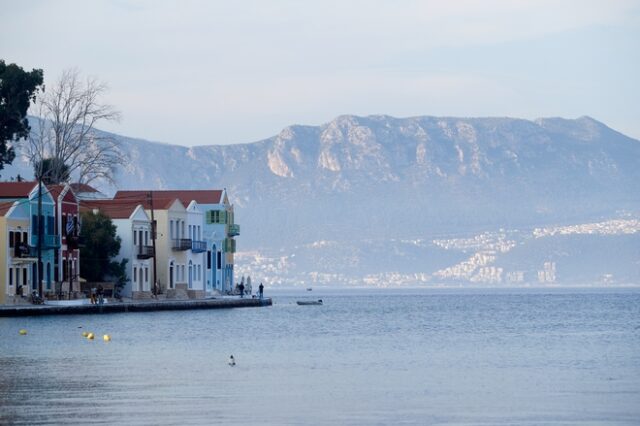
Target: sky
[[223, 72]]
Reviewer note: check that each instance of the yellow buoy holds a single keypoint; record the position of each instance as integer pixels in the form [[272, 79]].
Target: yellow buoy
[[90, 336], [22, 332], [85, 333], [106, 338]]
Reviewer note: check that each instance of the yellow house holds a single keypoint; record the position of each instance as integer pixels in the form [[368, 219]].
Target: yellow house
[[16, 260]]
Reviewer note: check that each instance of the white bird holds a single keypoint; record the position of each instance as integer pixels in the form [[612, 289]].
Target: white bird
[[232, 361]]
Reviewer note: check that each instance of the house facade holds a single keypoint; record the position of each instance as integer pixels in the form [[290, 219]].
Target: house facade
[[196, 287], [67, 224], [15, 267], [34, 203], [133, 227], [217, 233]]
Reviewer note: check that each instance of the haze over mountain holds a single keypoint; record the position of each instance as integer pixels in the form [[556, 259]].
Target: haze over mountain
[[373, 200]]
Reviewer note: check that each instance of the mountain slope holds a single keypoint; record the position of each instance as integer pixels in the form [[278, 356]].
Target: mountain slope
[[381, 178]]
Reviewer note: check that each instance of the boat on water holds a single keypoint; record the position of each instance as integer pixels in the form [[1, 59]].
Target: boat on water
[[309, 289], [309, 302]]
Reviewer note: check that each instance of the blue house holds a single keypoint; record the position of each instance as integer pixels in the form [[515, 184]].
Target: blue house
[[43, 230]]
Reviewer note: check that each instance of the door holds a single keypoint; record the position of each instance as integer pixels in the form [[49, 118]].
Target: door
[[171, 275]]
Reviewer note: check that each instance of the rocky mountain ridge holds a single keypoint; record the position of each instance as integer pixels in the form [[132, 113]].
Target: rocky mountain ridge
[[365, 182]]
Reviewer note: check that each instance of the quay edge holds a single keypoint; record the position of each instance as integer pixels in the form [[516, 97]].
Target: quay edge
[[121, 307]]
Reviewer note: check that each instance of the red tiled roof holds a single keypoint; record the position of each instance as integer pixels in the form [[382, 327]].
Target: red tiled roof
[[82, 187], [56, 190], [201, 196], [5, 206], [16, 189], [115, 209]]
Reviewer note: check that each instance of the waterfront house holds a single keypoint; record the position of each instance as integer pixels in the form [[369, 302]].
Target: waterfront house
[[133, 227], [36, 203], [15, 257], [67, 224], [196, 269], [218, 233]]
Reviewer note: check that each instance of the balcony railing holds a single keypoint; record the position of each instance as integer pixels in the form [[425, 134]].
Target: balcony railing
[[198, 246], [48, 241], [24, 250], [230, 245], [145, 252], [75, 242], [181, 244], [234, 230]]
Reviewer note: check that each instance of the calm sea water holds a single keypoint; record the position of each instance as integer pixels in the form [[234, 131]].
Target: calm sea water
[[363, 358]]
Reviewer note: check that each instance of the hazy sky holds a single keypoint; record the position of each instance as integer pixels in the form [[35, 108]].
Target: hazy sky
[[214, 72]]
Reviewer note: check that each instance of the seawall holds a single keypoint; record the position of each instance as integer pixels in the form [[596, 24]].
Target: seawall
[[133, 306]]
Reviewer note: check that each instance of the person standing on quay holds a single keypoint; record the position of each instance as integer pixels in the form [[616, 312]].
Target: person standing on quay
[[241, 288], [260, 290]]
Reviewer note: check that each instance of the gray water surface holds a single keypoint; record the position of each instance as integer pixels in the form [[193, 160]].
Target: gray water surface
[[364, 357]]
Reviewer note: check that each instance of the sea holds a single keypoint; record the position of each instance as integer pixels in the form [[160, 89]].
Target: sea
[[544, 356]]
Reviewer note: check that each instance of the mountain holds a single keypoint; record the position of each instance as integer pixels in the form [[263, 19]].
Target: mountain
[[337, 203]]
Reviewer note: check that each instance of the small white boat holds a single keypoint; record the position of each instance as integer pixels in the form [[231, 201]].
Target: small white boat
[[309, 302]]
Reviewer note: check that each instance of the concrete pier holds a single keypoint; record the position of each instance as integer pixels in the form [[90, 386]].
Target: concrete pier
[[132, 306]]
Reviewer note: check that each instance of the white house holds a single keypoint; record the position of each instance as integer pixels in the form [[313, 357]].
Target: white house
[[133, 226]]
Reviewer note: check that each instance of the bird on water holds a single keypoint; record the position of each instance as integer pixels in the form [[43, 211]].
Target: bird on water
[[232, 361]]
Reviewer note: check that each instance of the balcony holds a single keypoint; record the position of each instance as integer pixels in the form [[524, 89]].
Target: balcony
[[234, 230], [198, 246], [181, 244], [24, 250], [74, 242], [230, 245], [48, 241], [145, 252]]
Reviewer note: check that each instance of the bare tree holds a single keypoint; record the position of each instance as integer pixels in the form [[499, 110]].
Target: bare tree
[[66, 143]]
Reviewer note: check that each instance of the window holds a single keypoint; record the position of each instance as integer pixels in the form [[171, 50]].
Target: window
[[219, 259], [146, 238], [51, 225], [10, 238], [199, 272], [135, 273], [18, 276], [146, 275], [25, 238], [48, 276], [10, 277], [208, 259], [135, 239], [182, 234], [171, 233], [24, 276]]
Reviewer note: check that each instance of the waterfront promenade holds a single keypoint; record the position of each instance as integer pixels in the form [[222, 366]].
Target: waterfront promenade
[[133, 306]]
